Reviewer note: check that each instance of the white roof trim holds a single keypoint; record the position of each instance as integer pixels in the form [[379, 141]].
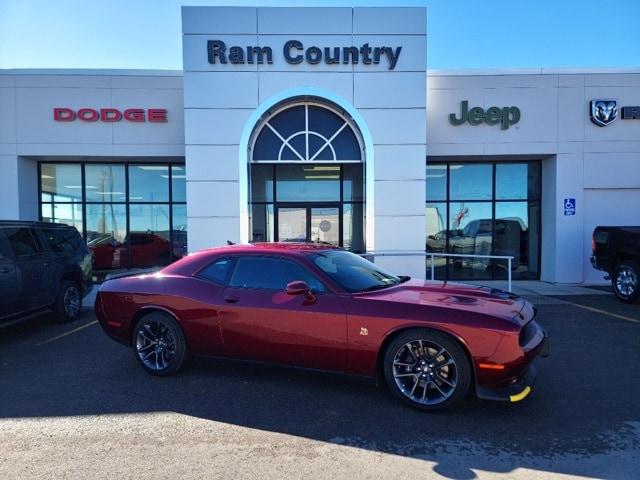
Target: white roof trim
[[531, 71], [114, 72], [430, 72]]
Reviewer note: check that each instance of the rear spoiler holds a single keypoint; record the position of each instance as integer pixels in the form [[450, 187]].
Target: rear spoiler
[[132, 273]]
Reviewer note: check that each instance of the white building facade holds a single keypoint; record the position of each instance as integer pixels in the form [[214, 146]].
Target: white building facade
[[323, 124]]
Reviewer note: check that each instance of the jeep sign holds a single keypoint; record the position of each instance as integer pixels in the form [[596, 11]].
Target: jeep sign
[[505, 116]]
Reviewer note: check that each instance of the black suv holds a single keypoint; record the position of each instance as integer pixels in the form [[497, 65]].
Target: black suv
[[44, 268]]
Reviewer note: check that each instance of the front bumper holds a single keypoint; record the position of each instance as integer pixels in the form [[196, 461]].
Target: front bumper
[[522, 387]]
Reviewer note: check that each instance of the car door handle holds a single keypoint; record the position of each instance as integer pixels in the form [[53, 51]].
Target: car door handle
[[46, 264], [4, 270], [231, 299]]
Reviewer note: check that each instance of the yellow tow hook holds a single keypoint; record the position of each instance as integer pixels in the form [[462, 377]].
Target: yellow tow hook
[[520, 396]]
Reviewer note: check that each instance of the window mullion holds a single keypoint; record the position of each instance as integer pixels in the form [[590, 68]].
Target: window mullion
[[284, 140], [306, 131], [328, 142]]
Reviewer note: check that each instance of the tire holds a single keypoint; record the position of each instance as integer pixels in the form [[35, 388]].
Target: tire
[[412, 377], [159, 344], [68, 305], [626, 281]]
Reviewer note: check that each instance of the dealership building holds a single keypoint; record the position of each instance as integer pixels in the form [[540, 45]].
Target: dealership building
[[324, 124]]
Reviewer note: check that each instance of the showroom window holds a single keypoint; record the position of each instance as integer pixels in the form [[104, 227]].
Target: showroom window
[[131, 215], [489, 208], [307, 177]]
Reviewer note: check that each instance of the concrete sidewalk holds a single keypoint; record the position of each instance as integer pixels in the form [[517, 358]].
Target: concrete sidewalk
[[544, 292]]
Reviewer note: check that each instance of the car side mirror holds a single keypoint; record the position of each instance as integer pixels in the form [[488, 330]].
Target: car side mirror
[[300, 287]]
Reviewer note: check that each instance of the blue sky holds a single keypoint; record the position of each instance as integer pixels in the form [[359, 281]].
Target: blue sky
[[461, 33]]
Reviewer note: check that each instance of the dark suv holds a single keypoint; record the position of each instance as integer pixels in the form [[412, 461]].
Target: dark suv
[[44, 268], [616, 250]]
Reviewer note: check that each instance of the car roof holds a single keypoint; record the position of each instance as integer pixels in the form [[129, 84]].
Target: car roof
[[30, 223], [272, 247], [200, 258]]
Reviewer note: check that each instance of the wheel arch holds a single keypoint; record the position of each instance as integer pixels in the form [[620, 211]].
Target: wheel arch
[[391, 335], [626, 257], [71, 274], [147, 310]]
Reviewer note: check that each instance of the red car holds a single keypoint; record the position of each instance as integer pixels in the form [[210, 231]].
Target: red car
[[321, 307], [147, 250]]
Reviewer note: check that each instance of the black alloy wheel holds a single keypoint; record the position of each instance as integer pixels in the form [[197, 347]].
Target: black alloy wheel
[[427, 369], [159, 344]]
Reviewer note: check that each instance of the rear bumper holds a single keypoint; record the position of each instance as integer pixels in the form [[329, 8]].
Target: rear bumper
[[594, 263], [522, 387]]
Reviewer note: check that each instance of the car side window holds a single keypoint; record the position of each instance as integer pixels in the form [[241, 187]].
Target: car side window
[[62, 240], [217, 271], [271, 273], [21, 241]]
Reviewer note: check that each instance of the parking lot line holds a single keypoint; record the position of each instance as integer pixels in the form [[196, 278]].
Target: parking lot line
[[604, 312], [58, 337]]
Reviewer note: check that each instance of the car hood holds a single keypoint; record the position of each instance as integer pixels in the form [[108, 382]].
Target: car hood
[[459, 296]]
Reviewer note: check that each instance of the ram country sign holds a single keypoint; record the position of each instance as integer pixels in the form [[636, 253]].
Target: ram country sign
[[294, 53]]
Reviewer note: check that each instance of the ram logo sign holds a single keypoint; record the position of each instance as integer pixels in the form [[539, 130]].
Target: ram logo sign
[[603, 112]]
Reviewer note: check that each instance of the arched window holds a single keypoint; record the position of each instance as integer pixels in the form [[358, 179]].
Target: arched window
[[306, 176], [306, 132]]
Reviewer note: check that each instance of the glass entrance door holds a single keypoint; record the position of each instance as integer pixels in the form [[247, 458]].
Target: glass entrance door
[[292, 224], [312, 223], [325, 225]]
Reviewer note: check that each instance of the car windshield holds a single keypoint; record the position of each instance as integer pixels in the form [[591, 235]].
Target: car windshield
[[101, 241], [352, 272]]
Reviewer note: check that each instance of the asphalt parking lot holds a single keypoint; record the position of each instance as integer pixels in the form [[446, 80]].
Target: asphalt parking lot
[[74, 404]]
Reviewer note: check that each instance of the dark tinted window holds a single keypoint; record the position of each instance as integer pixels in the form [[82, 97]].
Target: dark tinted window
[[63, 240], [21, 241], [217, 271], [306, 132], [271, 273]]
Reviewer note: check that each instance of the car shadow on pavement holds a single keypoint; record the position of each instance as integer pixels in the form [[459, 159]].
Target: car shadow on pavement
[[584, 403]]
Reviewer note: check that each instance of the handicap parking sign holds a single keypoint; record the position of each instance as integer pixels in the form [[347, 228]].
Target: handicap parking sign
[[569, 206]]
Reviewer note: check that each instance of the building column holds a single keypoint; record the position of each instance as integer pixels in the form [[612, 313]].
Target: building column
[[18, 188], [568, 247], [213, 208]]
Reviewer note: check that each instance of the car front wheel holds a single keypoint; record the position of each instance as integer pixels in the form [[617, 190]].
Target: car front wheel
[[626, 282], [427, 369], [159, 344]]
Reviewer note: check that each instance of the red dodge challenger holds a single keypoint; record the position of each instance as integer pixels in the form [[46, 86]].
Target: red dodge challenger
[[324, 308]]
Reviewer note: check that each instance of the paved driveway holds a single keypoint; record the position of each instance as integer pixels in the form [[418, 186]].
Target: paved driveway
[[74, 404]]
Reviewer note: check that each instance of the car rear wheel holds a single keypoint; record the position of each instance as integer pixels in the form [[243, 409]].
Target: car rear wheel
[[69, 302], [427, 369], [159, 344], [626, 282]]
